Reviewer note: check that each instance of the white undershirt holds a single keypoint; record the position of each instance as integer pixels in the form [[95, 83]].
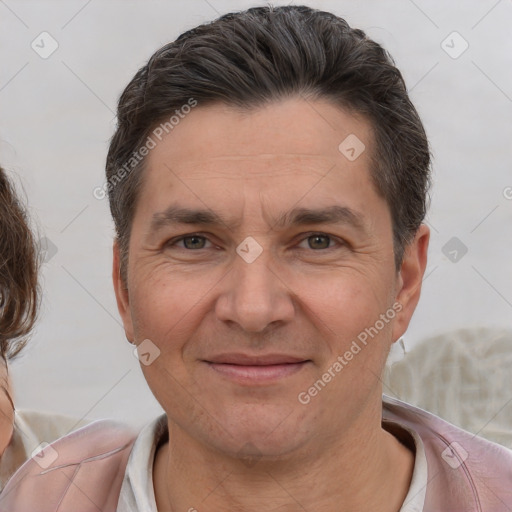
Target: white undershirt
[[137, 492], [415, 499]]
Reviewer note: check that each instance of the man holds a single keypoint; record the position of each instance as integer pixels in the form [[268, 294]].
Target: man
[[268, 182], [270, 250]]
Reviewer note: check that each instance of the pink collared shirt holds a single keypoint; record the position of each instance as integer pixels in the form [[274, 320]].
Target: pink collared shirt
[[465, 473]]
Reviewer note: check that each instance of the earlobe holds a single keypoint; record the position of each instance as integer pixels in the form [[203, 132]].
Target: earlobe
[[122, 294], [410, 279]]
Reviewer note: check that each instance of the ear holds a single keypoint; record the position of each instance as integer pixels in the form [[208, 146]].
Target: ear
[[409, 280], [122, 295]]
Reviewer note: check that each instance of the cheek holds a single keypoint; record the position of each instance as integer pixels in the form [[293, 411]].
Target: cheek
[[349, 316], [6, 419], [347, 313], [165, 313], [159, 303], [166, 305], [345, 304]]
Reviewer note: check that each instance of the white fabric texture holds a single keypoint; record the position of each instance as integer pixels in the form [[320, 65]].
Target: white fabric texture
[[137, 492], [415, 499], [462, 376]]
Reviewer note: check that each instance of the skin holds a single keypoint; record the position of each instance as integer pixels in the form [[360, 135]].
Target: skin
[[253, 446], [6, 409]]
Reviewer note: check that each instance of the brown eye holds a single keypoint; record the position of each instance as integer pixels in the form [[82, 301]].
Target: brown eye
[[194, 242], [319, 242]]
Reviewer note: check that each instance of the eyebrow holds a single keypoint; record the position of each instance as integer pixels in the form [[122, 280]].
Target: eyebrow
[[334, 214]]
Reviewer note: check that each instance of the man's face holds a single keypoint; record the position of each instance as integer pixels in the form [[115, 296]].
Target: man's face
[[259, 253]]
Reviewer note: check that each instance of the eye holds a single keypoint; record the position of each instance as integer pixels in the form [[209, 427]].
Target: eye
[[190, 242], [319, 241]]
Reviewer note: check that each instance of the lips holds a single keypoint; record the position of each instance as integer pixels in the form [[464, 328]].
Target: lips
[[256, 370], [259, 360]]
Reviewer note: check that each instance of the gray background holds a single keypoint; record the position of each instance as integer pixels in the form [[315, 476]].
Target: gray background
[[57, 115]]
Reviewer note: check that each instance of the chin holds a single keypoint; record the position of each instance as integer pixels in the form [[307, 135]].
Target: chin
[[264, 431]]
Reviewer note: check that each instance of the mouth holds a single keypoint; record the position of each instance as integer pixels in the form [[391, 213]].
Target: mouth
[[254, 370]]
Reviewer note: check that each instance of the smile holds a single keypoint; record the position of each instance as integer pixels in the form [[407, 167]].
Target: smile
[[256, 370]]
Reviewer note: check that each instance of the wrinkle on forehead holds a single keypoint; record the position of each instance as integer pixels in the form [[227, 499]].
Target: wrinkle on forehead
[[247, 166]]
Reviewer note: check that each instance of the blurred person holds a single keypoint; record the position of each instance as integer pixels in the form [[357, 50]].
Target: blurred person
[[269, 180], [18, 309], [21, 432]]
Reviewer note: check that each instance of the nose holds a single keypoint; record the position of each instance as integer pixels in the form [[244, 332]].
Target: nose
[[255, 296]]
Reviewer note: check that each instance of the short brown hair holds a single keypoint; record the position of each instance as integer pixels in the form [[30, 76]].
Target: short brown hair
[[19, 262], [249, 58]]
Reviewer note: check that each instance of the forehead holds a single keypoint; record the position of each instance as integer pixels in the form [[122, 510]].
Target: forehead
[[278, 153], [291, 128]]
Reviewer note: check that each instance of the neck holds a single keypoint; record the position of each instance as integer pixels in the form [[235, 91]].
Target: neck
[[363, 469]]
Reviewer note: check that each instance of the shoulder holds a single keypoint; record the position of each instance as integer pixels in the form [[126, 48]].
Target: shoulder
[[45, 426], [84, 467], [31, 428], [464, 470]]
